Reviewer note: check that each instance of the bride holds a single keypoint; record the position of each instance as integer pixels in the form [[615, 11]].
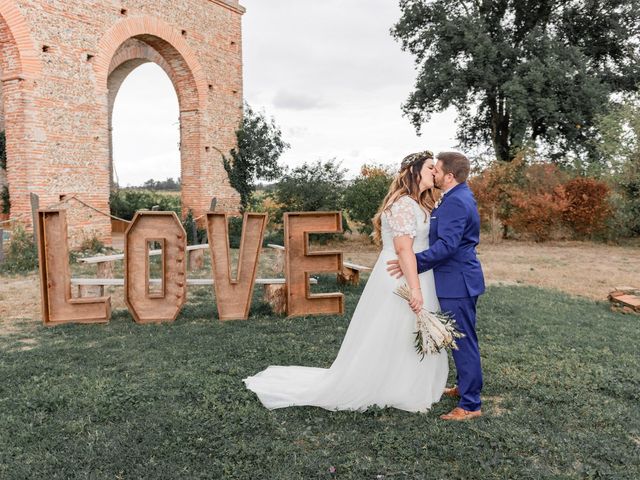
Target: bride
[[377, 363]]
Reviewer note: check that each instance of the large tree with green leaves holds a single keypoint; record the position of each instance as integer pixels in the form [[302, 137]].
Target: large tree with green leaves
[[520, 71], [260, 145]]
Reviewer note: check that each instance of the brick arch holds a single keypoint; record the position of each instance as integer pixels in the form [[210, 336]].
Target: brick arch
[[187, 72], [130, 56], [137, 40], [27, 62]]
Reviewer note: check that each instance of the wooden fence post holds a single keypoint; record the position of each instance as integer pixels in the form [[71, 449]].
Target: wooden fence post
[[35, 206]]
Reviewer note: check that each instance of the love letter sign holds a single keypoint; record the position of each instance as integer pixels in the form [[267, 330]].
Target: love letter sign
[[153, 300]]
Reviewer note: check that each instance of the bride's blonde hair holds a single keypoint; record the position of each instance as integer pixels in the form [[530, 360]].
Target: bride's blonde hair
[[406, 182]]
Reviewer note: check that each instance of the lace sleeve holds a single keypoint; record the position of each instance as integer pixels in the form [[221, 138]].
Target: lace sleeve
[[402, 217]]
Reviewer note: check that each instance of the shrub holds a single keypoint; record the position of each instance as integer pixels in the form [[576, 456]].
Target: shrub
[[311, 187], [538, 216], [125, 203], [493, 189], [626, 208], [540, 200], [3, 150], [235, 231], [22, 255], [263, 202], [92, 245], [195, 235], [5, 200], [363, 197], [587, 206]]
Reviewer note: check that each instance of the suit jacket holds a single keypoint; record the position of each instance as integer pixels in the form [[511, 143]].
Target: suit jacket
[[453, 236]]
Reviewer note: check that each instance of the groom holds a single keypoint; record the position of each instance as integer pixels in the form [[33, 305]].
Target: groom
[[453, 236]]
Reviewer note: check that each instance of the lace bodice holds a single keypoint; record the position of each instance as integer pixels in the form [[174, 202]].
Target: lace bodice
[[405, 217]]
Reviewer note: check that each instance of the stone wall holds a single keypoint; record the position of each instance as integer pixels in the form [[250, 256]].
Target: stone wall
[[62, 63]]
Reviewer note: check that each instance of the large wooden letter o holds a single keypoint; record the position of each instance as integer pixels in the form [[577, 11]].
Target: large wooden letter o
[[148, 304]]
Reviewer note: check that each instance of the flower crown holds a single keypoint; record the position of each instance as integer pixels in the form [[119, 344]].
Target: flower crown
[[412, 159]]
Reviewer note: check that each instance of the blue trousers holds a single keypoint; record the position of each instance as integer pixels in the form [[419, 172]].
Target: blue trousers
[[467, 357]]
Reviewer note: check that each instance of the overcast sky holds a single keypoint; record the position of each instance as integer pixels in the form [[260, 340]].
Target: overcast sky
[[330, 74]]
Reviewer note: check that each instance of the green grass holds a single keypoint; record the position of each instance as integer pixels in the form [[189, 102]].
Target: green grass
[[562, 391]]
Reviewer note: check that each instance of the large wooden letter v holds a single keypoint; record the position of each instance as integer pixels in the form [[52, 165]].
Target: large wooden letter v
[[233, 295]]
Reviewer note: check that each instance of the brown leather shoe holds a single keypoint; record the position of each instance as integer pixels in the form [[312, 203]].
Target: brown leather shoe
[[452, 392], [459, 414]]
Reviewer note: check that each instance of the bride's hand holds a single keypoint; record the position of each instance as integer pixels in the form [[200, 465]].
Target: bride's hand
[[394, 268], [417, 301]]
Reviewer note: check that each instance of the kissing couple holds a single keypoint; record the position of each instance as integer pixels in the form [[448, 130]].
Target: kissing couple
[[432, 244]]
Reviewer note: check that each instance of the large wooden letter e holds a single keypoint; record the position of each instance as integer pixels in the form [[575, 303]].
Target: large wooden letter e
[[300, 262]]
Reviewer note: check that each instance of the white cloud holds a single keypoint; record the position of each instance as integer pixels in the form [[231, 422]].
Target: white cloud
[[297, 101]]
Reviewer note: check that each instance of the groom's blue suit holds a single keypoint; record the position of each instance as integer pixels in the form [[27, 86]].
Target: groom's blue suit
[[453, 237]]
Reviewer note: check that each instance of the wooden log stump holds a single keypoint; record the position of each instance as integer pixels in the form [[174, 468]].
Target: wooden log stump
[[105, 270], [196, 260], [349, 276], [625, 300], [276, 296]]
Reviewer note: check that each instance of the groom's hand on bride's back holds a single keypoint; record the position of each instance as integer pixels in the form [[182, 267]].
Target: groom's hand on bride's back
[[393, 267]]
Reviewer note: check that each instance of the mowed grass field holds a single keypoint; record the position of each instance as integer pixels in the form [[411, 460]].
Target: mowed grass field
[[124, 401]]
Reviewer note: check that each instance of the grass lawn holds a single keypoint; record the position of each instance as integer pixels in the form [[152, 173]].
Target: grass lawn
[[562, 391]]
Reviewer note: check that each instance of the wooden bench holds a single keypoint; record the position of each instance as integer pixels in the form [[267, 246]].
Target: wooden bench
[[350, 271], [195, 259], [274, 289]]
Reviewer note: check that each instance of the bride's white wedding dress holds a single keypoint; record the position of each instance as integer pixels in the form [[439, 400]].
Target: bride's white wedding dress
[[377, 363]]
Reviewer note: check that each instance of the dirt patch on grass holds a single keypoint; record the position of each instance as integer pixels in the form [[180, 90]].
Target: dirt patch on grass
[[495, 405], [584, 269], [19, 299]]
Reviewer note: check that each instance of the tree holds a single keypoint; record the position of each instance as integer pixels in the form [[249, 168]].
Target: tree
[[619, 146], [260, 145], [520, 71], [363, 196], [311, 187], [169, 184]]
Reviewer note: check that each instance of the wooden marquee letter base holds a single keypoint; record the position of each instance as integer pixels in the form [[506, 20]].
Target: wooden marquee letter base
[[300, 262], [58, 306], [233, 295], [147, 306]]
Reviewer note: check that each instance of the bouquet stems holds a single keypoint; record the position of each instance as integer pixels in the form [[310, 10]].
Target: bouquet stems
[[434, 330]]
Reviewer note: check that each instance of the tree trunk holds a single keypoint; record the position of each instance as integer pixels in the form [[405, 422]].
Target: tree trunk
[[500, 129]]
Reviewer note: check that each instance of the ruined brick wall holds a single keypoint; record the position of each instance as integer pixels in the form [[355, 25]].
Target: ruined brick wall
[[62, 63]]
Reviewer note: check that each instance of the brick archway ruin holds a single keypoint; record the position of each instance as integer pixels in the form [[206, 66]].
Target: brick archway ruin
[[62, 71], [135, 41]]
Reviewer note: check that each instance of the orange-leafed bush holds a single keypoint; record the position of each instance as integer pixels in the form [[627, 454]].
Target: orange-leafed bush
[[540, 201], [538, 215], [493, 189], [587, 206]]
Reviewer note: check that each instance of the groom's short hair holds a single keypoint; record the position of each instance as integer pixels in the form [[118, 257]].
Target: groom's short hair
[[455, 163]]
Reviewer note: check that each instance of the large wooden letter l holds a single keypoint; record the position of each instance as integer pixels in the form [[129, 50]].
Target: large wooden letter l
[[299, 263], [55, 278]]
